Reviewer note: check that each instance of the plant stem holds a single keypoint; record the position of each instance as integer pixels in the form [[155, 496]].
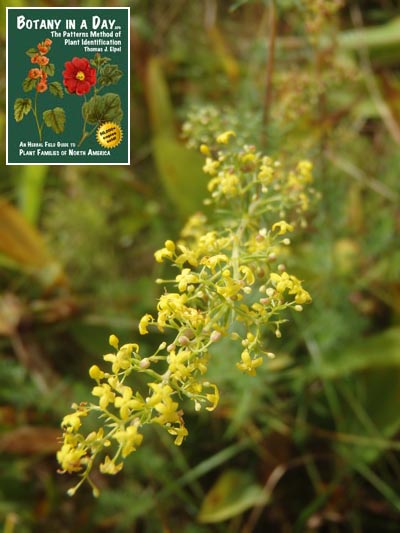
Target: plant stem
[[36, 118], [270, 69]]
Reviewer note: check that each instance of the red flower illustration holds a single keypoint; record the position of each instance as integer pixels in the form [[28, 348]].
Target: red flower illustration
[[79, 76]]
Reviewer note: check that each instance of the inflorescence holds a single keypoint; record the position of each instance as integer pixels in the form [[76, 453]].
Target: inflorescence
[[228, 275]]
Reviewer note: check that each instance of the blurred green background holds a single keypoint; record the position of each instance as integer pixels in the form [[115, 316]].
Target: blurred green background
[[311, 443]]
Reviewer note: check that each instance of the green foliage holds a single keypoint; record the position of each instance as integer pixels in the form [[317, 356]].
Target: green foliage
[[22, 106], [56, 88], [55, 119], [104, 108], [110, 74]]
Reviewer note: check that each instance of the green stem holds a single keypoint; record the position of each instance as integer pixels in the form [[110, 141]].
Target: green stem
[[39, 128]]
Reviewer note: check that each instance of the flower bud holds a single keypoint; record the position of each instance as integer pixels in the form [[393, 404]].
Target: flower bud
[[215, 336]]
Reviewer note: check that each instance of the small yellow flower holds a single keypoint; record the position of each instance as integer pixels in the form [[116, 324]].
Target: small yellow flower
[[70, 457], [204, 149], [129, 439], [108, 466], [305, 169], [213, 398], [247, 364], [72, 422], [211, 166], [127, 403], [144, 323], [113, 341], [248, 274], [96, 373], [223, 138], [185, 278], [105, 394], [283, 227], [180, 432], [167, 410]]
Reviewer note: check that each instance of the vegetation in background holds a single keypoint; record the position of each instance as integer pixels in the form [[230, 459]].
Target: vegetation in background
[[309, 442]]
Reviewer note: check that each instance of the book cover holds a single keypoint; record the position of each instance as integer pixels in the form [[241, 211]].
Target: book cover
[[68, 86]]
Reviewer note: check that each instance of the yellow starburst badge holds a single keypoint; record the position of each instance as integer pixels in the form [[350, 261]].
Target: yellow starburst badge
[[109, 135]]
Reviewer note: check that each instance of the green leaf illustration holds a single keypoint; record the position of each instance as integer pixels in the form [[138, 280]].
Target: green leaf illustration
[[31, 52], [109, 74], [22, 106], [28, 84], [56, 88], [49, 69], [55, 119], [98, 60], [106, 108]]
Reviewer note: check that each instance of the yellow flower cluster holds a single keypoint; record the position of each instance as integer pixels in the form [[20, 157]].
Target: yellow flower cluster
[[226, 277]]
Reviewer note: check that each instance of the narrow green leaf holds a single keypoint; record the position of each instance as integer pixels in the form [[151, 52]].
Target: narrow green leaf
[[181, 173], [233, 493], [55, 119], [381, 350], [22, 106], [30, 181], [159, 100]]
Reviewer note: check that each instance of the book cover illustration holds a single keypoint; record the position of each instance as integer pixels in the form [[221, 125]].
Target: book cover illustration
[[68, 86]]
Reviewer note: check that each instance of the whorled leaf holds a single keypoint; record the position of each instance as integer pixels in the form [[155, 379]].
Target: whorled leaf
[[22, 107], [55, 119], [106, 108]]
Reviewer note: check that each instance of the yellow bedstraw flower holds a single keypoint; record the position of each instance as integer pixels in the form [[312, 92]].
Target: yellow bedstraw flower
[[170, 306], [70, 457], [186, 255], [113, 341], [283, 227], [176, 364], [129, 439], [185, 278], [166, 252], [108, 466], [122, 359], [213, 397], [105, 394], [72, 422], [211, 166], [204, 149], [127, 403], [144, 323], [305, 169], [247, 364], [180, 433], [266, 174], [223, 138], [96, 373], [168, 412], [160, 392]]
